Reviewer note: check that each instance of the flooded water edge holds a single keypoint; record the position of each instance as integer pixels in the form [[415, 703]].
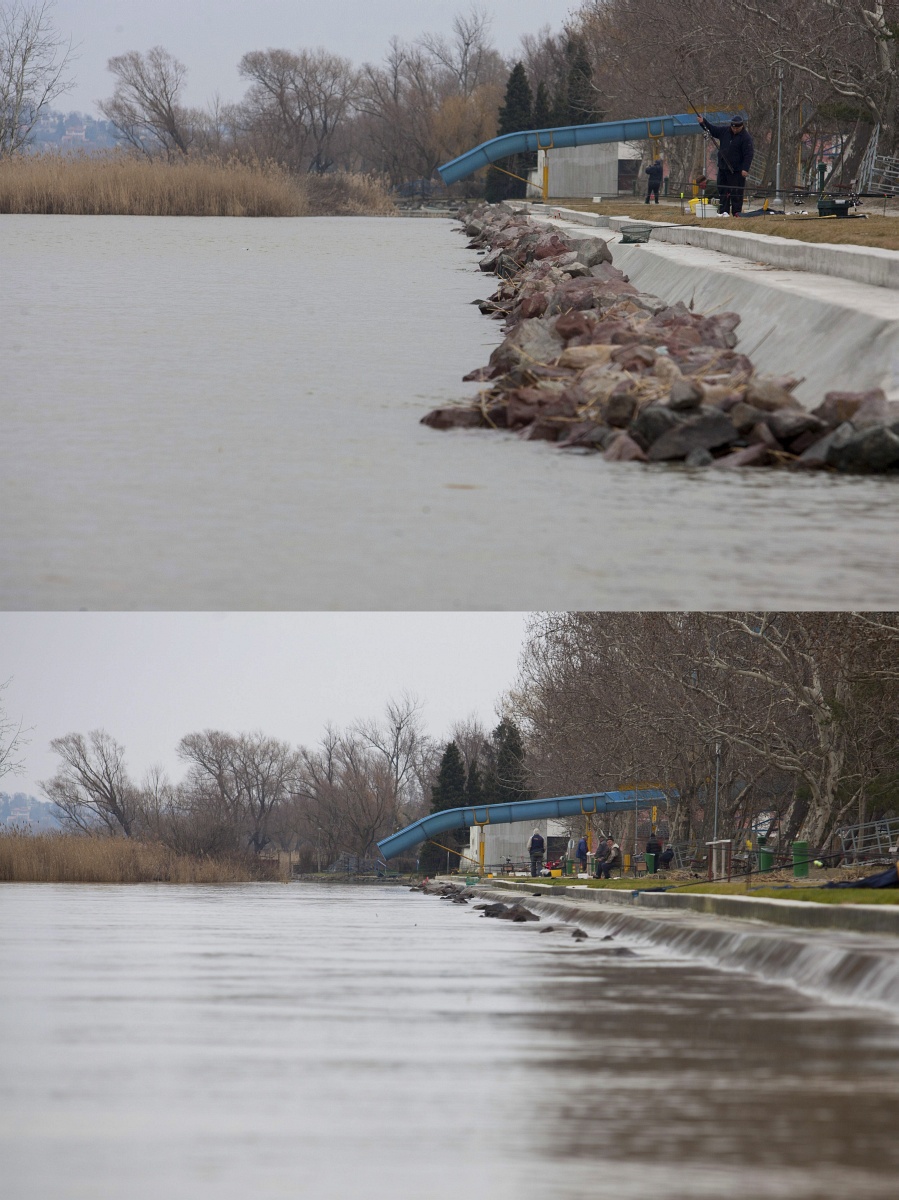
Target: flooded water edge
[[220, 413], [323, 1041]]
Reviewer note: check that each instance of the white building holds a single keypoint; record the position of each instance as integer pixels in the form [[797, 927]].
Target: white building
[[510, 841], [585, 171]]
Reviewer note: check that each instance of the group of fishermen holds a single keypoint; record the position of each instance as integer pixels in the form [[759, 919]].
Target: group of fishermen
[[735, 154], [607, 859]]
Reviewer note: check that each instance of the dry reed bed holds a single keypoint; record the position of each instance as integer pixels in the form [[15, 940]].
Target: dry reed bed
[[122, 185], [64, 858]]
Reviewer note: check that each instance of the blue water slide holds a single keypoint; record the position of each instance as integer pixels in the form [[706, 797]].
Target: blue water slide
[[633, 130], [521, 810]]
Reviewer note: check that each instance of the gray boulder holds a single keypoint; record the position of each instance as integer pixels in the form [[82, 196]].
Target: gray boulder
[[872, 449], [816, 456], [788, 423], [706, 431], [592, 251], [686, 394], [653, 421]]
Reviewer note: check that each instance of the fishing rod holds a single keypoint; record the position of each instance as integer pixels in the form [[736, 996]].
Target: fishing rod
[[705, 131]]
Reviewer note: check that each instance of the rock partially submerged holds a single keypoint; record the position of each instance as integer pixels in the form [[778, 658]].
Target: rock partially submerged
[[596, 366], [508, 912]]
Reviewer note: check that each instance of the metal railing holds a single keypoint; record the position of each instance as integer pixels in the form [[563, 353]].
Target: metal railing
[[873, 839]]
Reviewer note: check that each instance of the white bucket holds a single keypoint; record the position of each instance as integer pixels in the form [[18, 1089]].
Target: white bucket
[[703, 208]]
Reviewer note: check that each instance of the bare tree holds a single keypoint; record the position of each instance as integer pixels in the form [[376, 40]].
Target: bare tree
[[12, 741], [471, 736], [146, 105], [244, 778], [849, 46], [297, 104], [34, 62], [467, 57], [802, 705], [430, 101], [92, 788], [400, 742]]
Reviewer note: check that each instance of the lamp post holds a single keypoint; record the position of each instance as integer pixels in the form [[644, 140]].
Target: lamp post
[[780, 105], [717, 772]]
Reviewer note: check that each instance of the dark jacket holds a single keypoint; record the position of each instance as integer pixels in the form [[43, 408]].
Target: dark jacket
[[655, 171], [536, 845], [581, 851], [654, 846], [736, 149]]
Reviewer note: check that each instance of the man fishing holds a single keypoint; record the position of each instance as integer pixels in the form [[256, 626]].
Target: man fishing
[[735, 154]]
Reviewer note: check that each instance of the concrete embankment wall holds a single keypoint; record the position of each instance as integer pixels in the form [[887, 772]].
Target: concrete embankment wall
[[837, 952], [829, 314]]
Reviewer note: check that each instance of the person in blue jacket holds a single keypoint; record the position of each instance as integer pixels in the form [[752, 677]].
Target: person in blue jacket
[[581, 854], [655, 171], [735, 154]]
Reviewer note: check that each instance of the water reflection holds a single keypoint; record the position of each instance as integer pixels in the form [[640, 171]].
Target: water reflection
[[330, 1042]]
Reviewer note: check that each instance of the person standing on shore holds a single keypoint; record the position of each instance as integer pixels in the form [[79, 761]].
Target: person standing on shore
[[654, 847], [655, 171], [536, 849], [735, 154], [581, 854]]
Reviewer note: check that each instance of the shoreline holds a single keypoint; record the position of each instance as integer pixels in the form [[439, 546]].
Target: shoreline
[[832, 963], [598, 363]]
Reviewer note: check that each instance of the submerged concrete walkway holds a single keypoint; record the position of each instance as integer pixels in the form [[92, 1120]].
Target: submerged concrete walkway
[[801, 914]]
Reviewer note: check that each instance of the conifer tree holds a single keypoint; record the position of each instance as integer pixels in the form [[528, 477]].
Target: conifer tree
[[447, 792], [515, 114], [544, 114], [474, 787], [506, 780]]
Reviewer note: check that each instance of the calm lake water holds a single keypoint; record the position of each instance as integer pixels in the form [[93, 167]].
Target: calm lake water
[[331, 1042], [211, 414]]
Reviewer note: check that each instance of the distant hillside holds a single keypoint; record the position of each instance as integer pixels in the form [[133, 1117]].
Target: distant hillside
[[20, 811], [72, 131]]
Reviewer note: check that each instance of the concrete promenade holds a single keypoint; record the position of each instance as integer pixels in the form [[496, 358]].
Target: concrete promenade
[[829, 314]]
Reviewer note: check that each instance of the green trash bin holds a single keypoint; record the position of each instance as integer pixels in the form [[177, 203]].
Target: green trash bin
[[800, 860], [650, 864], [766, 859]]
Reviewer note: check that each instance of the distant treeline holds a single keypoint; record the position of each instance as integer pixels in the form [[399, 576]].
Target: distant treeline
[[834, 66], [783, 721], [248, 794]]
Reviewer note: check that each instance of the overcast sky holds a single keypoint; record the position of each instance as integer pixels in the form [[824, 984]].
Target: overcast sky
[[150, 678], [211, 36]]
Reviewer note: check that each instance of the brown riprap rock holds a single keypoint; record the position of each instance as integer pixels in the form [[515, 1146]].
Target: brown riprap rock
[[581, 357], [454, 417], [837, 407], [625, 449], [769, 394]]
